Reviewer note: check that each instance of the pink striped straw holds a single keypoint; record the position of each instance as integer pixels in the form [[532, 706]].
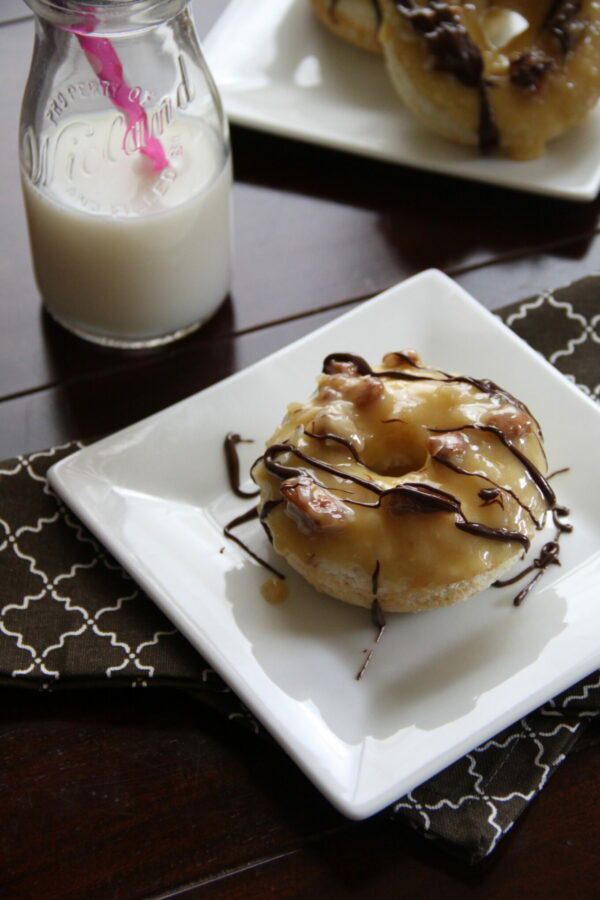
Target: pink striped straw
[[105, 62]]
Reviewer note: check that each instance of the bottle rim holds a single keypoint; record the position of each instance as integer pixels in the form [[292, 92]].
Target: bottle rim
[[99, 16]]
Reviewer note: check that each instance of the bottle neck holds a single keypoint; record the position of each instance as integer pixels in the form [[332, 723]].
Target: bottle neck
[[106, 16]]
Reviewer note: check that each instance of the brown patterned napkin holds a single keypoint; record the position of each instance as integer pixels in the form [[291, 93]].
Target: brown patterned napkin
[[71, 617]]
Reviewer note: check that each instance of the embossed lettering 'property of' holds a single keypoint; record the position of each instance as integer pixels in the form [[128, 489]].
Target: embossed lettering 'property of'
[[64, 100]]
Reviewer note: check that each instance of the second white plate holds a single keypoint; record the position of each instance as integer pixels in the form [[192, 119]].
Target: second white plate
[[279, 70]]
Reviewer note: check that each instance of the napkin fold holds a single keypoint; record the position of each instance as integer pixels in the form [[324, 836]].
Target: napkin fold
[[71, 617]]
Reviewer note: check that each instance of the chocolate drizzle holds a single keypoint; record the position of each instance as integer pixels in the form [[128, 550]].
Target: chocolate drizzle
[[548, 556], [414, 497], [266, 509], [454, 52], [233, 464], [377, 618], [532, 470], [375, 579], [489, 495], [248, 516], [528, 70], [362, 367], [563, 24]]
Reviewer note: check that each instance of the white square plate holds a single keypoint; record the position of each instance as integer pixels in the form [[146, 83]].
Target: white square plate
[[279, 70], [439, 682]]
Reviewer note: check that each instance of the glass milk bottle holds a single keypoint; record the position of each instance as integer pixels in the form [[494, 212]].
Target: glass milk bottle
[[126, 171]]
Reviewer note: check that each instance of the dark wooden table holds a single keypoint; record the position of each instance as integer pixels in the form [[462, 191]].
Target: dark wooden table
[[146, 794]]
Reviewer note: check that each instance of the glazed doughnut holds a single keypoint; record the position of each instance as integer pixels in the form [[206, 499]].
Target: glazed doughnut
[[506, 74], [355, 21], [404, 482]]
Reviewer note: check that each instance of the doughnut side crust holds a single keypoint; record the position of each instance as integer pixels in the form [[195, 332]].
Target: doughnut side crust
[[435, 99], [355, 21], [353, 585], [539, 85], [409, 484]]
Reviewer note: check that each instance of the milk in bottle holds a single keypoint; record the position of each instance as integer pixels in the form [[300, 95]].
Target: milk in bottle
[[126, 174]]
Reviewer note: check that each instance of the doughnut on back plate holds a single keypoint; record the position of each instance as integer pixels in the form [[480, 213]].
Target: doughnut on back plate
[[518, 96], [355, 21]]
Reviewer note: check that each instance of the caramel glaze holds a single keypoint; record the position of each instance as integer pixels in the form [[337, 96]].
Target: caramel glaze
[[413, 497], [424, 498], [374, 3], [484, 385], [363, 368]]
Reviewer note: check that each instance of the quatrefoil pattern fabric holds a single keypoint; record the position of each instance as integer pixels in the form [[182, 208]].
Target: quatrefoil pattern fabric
[[70, 613], [564, 326], [71, 617]]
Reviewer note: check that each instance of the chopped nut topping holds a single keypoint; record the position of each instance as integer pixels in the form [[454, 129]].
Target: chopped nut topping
[[511, 421], [365, 391], [331, 422], [328, 393], [449, 447], [312, 507], [362, 390]]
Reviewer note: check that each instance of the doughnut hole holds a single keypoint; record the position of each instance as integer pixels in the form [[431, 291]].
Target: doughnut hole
[[501, 25], [397, 451]]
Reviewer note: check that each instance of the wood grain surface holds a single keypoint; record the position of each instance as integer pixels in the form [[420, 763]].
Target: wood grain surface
[[147, 794]]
